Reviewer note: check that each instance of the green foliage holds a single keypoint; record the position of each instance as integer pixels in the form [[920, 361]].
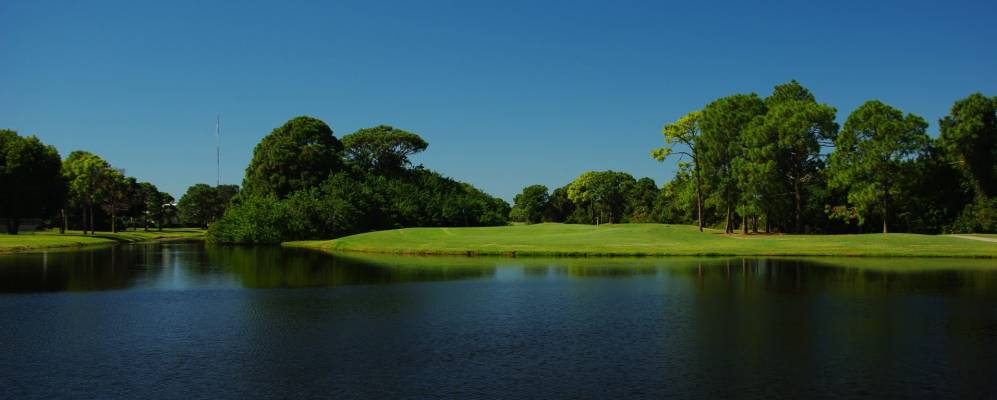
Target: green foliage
[[382, 148], [783, 152], [345, 204], [676, 201], [559, 207], [978, 216], [203, 204], [603, 194], [298, 155], [327, 211], [969, 135], [723, 123], [685, 131], [154, 205], [252, 219], [116, 194], [640, 201], [30, 178], [530, 206], [874, 150], [766, 162]]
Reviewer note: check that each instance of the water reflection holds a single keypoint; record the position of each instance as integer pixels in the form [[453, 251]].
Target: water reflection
[[184, 265]]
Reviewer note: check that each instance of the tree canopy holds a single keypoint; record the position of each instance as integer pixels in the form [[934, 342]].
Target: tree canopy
[[723, 123], [379, 190], [382, 148], [969, 134], [203, 204], [685, 132], [300, 154], [873, 152], [532, 203], [30, 175]]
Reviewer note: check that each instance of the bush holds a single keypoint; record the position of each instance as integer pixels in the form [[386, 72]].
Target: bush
[[979, 216], [251, 219]]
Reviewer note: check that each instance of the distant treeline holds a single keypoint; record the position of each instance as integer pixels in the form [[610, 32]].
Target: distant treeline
[[81, 192], [304, 183], [85, 192], [782, 164], [775, 164]]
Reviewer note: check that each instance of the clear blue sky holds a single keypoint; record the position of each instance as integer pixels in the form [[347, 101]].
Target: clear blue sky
[[508, 93]]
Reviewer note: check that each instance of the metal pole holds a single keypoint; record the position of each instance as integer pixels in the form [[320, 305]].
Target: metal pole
[[218, 151]]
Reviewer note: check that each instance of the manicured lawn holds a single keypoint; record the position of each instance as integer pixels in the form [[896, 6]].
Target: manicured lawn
[[31, 241], [645, 240]]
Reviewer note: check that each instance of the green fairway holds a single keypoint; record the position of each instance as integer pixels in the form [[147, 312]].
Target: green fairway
[[45, 240], [645, 240]]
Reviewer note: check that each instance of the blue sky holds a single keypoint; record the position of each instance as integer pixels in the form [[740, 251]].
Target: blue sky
[[507, 93]]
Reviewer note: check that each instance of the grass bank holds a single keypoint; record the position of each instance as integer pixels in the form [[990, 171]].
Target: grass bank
[[644, 240], [48, 240]]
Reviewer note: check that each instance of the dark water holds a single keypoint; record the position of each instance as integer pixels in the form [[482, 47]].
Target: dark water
[[186, 321]]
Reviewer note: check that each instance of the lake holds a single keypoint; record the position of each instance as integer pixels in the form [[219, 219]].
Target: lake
[[185, 320]]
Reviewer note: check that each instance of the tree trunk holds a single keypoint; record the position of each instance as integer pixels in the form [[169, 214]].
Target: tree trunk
[[83, 212], [885, 214], [744, 219], [114, 219], [797, 196], [65, 222], [727, 222], [92, 228], [699, 198]]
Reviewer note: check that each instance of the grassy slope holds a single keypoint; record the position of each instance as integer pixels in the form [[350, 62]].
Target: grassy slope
[[644, 240], [32, 241]]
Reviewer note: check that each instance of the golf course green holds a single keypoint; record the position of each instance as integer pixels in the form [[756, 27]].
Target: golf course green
[[644, 240]]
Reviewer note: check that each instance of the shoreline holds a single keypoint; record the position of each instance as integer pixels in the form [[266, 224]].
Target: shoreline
[[541, 254], [34, 242]]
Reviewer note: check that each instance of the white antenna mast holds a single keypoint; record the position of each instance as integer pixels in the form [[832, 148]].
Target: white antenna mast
[[218, 151]]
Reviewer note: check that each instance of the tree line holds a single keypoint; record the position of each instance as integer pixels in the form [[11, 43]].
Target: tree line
[[85, 192], [783, 164], [304, 183], [82, 192]]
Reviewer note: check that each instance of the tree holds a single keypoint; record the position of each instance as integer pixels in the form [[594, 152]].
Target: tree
[[298, 155], [117, 192], [603, 193], [84, 172], [382, 148], [532, 203], [197, 205], [559, 206], [223, 196], [203, 204], [874, 150], [723, 123], [155, 205], [677, 199], [30, 178], [640, 201], [784, 147], [969, 135], [685, 131]]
